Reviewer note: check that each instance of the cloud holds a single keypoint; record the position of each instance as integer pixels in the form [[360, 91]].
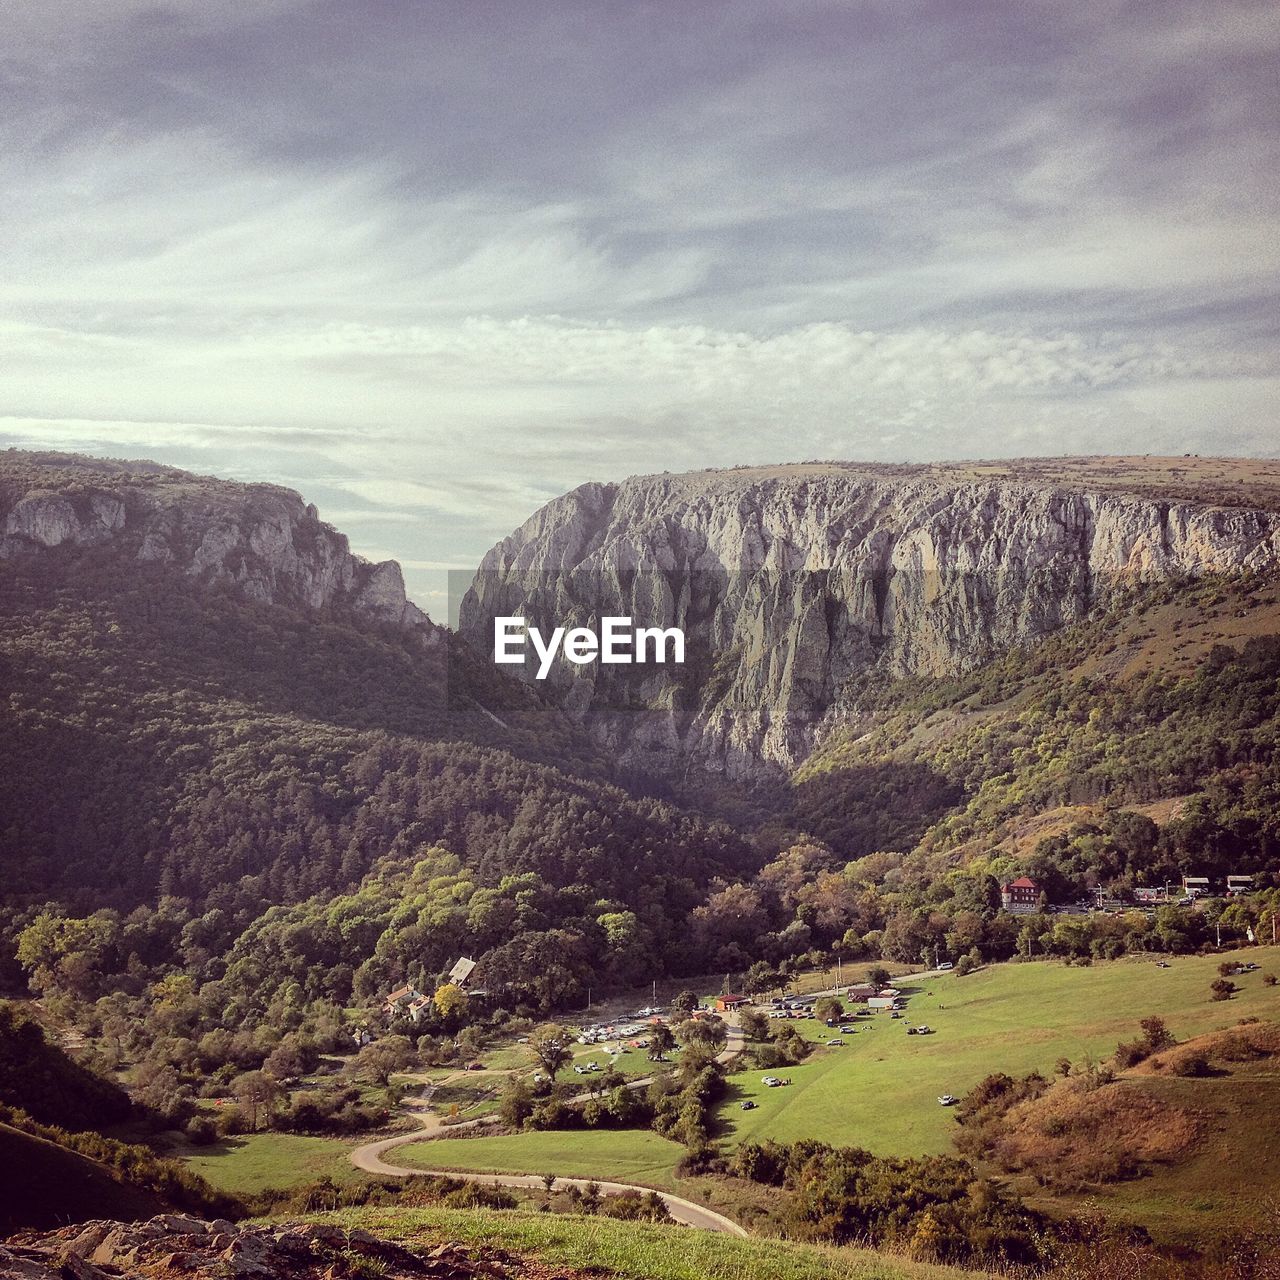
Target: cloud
[[434, 268]]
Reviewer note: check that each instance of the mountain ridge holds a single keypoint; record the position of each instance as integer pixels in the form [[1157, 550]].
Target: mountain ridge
[[263, 540], [795, 582]]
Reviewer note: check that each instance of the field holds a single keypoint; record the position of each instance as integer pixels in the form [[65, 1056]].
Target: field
[[880, 1090], [261, 1160], [636, 1251], [628, 1155]]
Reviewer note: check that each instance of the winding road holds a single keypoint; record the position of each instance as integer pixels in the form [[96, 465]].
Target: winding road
[[431, 1127]]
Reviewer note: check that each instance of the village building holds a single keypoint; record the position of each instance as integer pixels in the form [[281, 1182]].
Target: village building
[[724, 1004], [1020, 897], [861, 993], [399, 1000]]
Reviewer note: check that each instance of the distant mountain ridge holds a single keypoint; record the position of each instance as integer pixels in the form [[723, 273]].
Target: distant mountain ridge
[[799, 581], [263, 540]]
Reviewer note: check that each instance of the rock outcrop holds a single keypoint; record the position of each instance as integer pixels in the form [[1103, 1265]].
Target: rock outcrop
[[263, 540], [792, 582], [174, 1245]]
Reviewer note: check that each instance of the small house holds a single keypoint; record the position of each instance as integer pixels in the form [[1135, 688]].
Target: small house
[[399, 1001], [1020, 897], [861, 993], [1196, 886], [724, 1004]]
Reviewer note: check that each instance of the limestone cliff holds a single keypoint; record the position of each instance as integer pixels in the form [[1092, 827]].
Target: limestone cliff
[[263, 540], [790, 582]]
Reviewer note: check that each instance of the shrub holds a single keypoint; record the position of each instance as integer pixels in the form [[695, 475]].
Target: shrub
[[201, 1131]]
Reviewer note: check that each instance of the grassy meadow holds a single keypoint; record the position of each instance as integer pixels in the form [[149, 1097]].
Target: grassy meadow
[[640, 1251], [626, 1155], [880, 1090], [258, 1161]]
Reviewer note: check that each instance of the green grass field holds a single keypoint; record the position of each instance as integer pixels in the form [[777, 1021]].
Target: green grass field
[[638, 1251], [629, 1155], [880, 1091], [258, 1161]]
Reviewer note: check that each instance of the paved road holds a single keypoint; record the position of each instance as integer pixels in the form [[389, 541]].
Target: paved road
[[369, 1156]]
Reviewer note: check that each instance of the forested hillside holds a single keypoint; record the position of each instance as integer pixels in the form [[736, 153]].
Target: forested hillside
[[232, 824]]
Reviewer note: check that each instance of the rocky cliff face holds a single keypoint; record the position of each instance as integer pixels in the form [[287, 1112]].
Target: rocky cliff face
[[790, 582], [263, 540]]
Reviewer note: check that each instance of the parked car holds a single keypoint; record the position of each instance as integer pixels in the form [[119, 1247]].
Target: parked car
[[475, 1066], [947, 1100], [943, 968], [772, 1081], [831, 1044], [748, 1105], [847, 1031]]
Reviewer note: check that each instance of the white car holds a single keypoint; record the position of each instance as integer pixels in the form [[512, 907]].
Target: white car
[[947, 1100], [943, 968], [772, 1081]]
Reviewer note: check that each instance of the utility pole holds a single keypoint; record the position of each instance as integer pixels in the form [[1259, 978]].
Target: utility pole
[[655, 992], [588, 999]]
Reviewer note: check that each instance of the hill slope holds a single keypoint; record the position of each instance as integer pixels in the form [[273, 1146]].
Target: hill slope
[[234, 725], [45, 1185]]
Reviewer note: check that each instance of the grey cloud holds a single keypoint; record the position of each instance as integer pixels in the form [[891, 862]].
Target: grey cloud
[[494, 249]]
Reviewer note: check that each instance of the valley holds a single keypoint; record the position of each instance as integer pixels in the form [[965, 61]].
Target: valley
[[291, 868]]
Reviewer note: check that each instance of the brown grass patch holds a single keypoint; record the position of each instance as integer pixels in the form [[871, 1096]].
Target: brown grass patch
[[1249, 1042], [1075, 1136]]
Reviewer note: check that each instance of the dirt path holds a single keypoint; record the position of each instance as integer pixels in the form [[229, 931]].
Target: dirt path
[[432, 1127]]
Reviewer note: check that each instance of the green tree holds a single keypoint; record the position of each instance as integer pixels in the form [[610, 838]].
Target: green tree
[[661, 1043], [829, 1009], [515, 1104], [258, 1094], [379, 1060], [708, 1034], [550, 1046]]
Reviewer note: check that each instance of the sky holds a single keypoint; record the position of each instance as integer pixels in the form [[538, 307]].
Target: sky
[[432, 264]]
